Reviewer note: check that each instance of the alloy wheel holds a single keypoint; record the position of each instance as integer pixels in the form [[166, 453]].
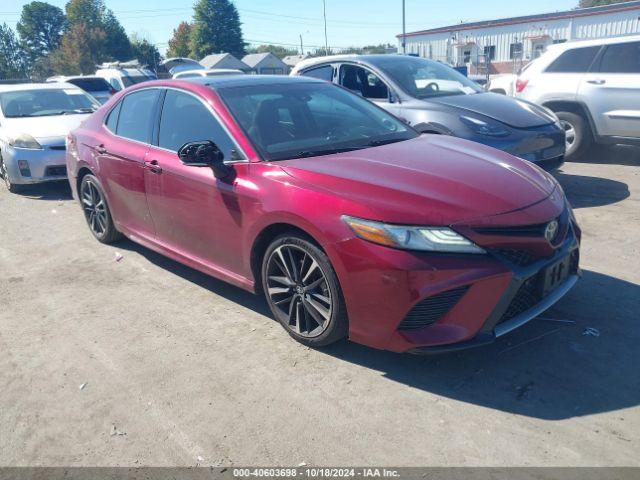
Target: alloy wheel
[[298, 288], [94, 206], [570, 134]]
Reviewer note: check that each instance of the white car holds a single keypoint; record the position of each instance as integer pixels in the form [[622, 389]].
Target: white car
[[213, 72], [504, 84], [97, 87], [35, 119], [123, 75], [592, 86]]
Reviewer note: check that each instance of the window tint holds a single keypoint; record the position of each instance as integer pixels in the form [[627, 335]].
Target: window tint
[[186, 119], [362, 81], [515, 50], [112, 119], [136, 115], [323, 73], [490, 52], [91, 84], [621, 58], [577, 60]]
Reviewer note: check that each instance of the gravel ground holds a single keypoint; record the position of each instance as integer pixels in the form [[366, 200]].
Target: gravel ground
[[145, 362]]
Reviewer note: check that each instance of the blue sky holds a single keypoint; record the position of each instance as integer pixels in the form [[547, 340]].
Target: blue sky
[[349, 22]]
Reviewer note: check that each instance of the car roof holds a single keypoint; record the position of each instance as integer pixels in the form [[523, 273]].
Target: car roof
[[37, 86], [224, 81], [561, 47], [372, 59]]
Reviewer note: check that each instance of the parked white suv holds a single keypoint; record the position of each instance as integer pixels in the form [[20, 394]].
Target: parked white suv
[[592, 86]]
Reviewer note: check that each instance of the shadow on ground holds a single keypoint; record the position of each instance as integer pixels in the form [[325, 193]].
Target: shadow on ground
[[583, 191], [546, 369], [612, 155], [47, 191]]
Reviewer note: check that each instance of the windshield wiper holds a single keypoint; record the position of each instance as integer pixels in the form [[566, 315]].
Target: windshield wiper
[[378, 143], [77, 110], [327, 151]]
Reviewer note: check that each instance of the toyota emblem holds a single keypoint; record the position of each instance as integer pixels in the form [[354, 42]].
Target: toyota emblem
[[551, 230]]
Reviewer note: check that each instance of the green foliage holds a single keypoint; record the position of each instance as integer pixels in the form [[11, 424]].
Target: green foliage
[[79, 50], [88, 12], [277, 50], [598, 3], [216, 28], [40, 29], [117, 45], [179, 43], [11, 58], [146, 52]]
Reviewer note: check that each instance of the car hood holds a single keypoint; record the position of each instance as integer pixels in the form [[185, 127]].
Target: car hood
[[44, 127], [510, 111], [430, 180]]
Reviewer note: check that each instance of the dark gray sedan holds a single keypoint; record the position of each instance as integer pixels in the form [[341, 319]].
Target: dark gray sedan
[[434, 98]]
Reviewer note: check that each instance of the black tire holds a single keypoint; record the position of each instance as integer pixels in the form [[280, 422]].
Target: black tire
[[96, 210], [12, 187], [315, 314], [576, 126]]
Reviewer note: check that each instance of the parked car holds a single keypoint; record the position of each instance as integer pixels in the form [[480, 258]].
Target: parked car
[[593, 87], [350, 222], [213, 72], [121, 76], [97, 87], [434, 98], [34, 121], [504, 84]]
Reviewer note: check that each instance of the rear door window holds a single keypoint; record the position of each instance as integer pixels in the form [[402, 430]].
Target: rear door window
[[577, 60], [186, 119], [621, 58], [137, 114], [323, 73], [363, 81]]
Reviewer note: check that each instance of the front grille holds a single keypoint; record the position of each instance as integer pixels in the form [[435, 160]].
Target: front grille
[[517, 257], [519, 231], [528, 296], [55, 171], [431, 309]]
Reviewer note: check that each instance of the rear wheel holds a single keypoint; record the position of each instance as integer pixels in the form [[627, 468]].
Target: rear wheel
[[578, 134], [96, 210], [302, 291], [12, 187]]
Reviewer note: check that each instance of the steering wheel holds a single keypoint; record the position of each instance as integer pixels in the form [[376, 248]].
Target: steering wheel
[[433, 86]]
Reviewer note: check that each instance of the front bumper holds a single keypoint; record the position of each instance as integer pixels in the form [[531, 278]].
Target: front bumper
[[477, 297], [44, 165]]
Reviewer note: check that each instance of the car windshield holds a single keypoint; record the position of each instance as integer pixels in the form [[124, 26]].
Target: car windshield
[[294, 120], [129, 80], [423, 78], [46, 102]]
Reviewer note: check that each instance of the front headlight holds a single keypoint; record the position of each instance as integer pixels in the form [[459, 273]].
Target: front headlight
[[430, 239], [24, 140], [485, 127]]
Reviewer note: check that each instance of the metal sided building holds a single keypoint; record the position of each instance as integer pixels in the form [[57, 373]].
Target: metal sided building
[[506, 44]]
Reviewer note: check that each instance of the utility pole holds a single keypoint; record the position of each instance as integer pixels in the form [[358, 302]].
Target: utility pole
[[301, 49], [404, 29], [324, 14]]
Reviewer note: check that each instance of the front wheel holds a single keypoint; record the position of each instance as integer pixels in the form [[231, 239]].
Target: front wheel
[[12, 187], [303, 292], [578, 134], [96, 210]]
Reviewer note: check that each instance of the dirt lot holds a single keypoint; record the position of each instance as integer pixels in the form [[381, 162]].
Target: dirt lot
[[191, 370]]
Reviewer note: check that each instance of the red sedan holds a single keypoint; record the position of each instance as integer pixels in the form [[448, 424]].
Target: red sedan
[[350, 222]]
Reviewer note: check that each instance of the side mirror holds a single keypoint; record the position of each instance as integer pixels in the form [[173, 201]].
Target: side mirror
[[204, 154]]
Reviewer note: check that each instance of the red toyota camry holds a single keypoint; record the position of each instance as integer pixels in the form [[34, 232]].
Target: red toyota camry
[[350, 223]]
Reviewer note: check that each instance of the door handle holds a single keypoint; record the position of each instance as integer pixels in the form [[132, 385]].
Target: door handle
[[100, 149], [598, 81], [152, 166]]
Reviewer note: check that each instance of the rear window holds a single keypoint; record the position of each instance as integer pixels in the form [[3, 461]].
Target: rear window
[[621, 58], [577, 60], [132, 80], [91, 84], [323, 73]]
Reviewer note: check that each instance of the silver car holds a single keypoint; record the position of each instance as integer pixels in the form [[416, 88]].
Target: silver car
[[434, 98]]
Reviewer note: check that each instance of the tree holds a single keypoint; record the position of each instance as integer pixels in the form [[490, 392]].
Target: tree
[[79, 51], [145, 52], [179, 43], [40, 29], [11, 59], [88, 12], [117, 45], [277, 50], [216, 29], [598, 3]]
